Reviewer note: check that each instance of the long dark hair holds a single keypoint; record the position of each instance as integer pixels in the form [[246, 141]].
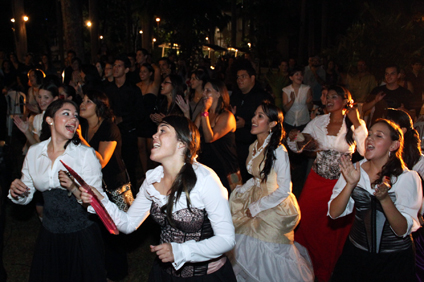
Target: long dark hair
[[149, 69], [274, 114], [186, 179], [394, 165], [345, 94], [224, 98], [101, 101], [50, 112], [177, 89], [412, 148]]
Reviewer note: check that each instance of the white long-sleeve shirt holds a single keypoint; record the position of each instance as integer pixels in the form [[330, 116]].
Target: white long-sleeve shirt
[[208, 194], [281, 167], [38, 172], [407, 190]]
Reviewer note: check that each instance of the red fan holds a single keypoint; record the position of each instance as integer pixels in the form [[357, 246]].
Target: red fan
[[96, 204]]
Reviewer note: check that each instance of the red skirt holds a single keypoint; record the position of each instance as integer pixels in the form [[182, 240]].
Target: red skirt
[[322, 236]]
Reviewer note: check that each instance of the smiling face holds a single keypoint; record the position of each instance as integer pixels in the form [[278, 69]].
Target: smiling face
[[87, 108], [145, 74], [65, 122], [391, 75], [334, 101], [379, 142], [166, 87], [166, 146], [260, 123], [44, 99], [297, 78]]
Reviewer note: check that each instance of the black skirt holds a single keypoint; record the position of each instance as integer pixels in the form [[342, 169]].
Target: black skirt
[[356, 265], [224, 274], [76, 256]]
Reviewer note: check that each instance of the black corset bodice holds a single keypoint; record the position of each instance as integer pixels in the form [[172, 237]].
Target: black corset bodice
[[63, 214], [189, 225], [371, 230]]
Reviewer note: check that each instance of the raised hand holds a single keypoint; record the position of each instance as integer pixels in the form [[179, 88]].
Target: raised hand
[[382, 190], [380, 95], [22, 125], [351, 173], [183, 104]]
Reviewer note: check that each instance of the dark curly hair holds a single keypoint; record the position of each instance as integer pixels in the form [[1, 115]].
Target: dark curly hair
[[412, 148], [101, 101], [273, 113]]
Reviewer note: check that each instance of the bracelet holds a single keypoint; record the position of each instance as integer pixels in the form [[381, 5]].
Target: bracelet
[[205, 114], [72, 191]]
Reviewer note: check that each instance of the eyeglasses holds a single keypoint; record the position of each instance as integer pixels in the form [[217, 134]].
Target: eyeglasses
[[243, 76]]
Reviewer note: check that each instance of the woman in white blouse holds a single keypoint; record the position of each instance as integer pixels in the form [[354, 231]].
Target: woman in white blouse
[[189, 203], [386, 197], [69, 246], [332, 135], [297, 101], [265, 211]]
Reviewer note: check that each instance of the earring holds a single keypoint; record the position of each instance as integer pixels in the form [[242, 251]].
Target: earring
[[390, 153], [270, 130], [51, 123]]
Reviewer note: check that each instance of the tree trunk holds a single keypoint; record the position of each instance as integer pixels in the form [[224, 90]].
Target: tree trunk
[[72, 26], [20, 29], [94, 29]]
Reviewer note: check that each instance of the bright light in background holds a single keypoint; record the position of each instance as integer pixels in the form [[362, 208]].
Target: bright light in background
[[101, 37], [207, 38], [25, 18], [154, 39], [141, 32], [12, 20], [249, 44], [88, 23], [158, 20]]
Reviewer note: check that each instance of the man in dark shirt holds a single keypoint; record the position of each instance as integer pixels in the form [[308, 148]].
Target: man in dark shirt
[[133, 74], [126, 101], [245, 100], [390, 95]]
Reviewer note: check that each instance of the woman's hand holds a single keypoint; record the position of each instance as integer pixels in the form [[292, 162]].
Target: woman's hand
[[22, 125], [183, 104], [157, 118], [353, 116], [350, 173], [207, 103], [163, 251], [18, 188], [292, 134], [87, 198], [382, 190], [66, 181]]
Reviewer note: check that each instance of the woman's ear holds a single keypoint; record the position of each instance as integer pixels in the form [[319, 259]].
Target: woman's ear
[[272, 124], [395, 145], [49, 120]]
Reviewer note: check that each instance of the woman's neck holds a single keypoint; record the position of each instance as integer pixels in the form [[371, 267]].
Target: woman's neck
[[56, 145], [261, 139], [336, 116], [295, 85], [93, 121], [171, 169]]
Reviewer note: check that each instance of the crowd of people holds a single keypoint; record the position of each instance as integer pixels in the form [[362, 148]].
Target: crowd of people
[[306, 173]]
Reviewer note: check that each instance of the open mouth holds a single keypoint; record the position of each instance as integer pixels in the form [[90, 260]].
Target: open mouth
[[71, 127], [156, 145]]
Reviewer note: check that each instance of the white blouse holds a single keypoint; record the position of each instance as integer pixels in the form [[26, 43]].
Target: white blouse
[[38, 123], [282, 169], [407, 190], [317, 128], [39, 173], [208, 193], [299, 112]]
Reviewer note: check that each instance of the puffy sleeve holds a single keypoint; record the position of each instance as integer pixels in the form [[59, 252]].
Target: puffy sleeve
[[359, 135], [408, 191], [282, 169], [215, 200], [337, 189], [92, 170]]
